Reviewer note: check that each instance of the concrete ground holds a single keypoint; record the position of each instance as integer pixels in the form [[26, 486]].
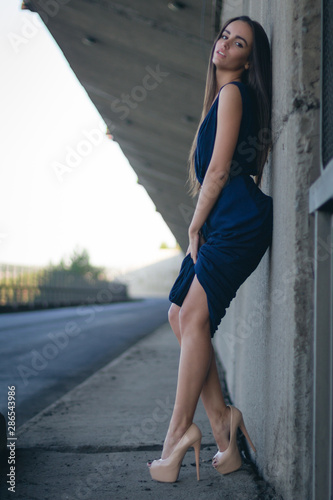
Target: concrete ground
[[94, 442]]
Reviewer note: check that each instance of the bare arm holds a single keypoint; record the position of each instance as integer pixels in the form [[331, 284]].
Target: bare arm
[[229, 117]]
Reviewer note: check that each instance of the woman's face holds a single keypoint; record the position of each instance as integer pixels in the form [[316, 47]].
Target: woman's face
[[233, 49]]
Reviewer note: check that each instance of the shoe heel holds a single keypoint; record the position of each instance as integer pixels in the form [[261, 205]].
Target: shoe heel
[[196, 447], [246, 434]]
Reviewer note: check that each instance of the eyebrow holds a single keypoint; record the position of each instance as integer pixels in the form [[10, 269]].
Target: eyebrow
[[237, 36]]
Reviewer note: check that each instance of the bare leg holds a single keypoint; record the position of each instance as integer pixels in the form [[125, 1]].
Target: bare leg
[[194, 362], [216, 409], [211, 393]]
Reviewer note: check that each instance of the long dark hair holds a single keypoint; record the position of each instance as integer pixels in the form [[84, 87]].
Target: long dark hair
[[259, 80]]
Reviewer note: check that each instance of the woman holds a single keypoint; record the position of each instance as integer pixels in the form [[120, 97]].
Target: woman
[[230, 231]]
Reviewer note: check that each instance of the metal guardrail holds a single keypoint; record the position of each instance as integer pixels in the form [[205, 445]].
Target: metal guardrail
[[23, 287]]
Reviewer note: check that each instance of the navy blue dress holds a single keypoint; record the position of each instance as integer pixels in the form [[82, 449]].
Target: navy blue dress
[[238, 230]]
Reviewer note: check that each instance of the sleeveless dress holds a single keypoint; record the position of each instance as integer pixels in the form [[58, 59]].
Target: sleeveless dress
[[238, 230]]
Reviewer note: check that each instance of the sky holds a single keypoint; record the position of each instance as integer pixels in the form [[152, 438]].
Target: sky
[[64, 185]]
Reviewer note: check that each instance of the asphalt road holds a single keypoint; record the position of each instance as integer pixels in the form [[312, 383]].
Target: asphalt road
[[44, 354]]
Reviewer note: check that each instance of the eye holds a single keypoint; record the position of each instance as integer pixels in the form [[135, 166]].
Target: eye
[[239, 44], [224, 37]]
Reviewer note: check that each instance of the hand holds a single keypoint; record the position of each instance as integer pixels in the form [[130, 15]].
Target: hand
[[194, 243]]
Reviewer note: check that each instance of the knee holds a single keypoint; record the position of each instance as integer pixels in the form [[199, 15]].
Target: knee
[[173, 317]]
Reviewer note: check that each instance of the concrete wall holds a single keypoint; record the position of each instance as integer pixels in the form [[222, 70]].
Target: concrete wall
[[266, 339], [154, 279]]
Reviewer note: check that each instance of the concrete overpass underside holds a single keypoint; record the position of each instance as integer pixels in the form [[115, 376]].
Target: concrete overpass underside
[[143, 64]]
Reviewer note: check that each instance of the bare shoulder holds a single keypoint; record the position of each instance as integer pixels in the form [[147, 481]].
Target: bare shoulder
[[230, 97]]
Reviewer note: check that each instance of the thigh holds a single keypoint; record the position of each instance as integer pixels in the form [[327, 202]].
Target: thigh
[[195, 305]]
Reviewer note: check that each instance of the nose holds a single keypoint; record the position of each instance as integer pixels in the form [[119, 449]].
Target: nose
[[222, 44]]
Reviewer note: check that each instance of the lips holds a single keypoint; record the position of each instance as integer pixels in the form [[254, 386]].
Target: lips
[[220, 53]]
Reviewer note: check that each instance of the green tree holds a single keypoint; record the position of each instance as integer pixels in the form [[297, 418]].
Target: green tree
[[79, 265]]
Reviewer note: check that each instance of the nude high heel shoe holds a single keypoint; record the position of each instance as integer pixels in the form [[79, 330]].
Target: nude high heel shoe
[[167, 470], [230, 460]]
